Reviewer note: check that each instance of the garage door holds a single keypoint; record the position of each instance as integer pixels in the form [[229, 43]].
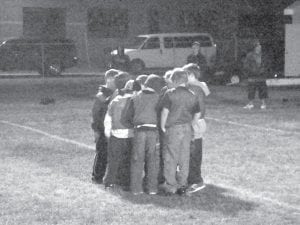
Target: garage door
[[292, 50]]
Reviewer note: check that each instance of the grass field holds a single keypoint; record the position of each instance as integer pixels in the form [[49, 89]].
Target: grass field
[[251, 161]]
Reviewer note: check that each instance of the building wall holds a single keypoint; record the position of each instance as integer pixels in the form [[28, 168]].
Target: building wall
[[219, 22]]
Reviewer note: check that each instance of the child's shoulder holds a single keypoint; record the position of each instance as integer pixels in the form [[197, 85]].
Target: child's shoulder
[[100, 96], [170, 91]]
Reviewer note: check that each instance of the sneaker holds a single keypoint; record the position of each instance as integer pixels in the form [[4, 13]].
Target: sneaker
[[110, 186], [96, 181], [167, 190], [181, 190], [263, 106], [138, 193], [249, 106], [195, 187]]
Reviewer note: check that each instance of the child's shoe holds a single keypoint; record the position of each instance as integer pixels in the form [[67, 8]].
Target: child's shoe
[[138, 193], [182, 190], [249, 106], [96, 181], [165, 189], [195, 187], [263, 106]]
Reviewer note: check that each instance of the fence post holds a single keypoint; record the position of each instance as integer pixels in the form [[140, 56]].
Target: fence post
[[236, 48], [45, 100], [87, 49], [43, 60]]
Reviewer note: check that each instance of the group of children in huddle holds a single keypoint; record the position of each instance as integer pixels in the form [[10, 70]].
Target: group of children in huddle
[[148, 131]]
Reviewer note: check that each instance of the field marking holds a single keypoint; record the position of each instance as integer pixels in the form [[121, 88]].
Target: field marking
[[250, 194], [80, 144], [241, 191], [252, 126]]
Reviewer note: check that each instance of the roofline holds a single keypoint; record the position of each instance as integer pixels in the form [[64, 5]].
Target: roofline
[[173, 34]]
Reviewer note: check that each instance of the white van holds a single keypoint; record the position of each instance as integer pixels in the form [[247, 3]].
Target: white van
[[167, 50]]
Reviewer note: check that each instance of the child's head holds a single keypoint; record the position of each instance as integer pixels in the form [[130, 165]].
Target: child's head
[[179, 77], [196, 47], [110, 78], [128, 88], [140, 80], [167, 78], [193, 71], [121, 79], [155, 82]]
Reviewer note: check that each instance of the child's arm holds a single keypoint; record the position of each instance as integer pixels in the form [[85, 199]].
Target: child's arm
[[163, 120], [201, 105], [128, 114], [98, 114], [166, 105], [108, 122], [196, 110]]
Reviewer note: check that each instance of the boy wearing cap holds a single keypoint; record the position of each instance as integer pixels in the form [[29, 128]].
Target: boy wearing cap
[[180, 108], [98, 114], [120, 137], [201, 90], [197, 58], [142, 115]]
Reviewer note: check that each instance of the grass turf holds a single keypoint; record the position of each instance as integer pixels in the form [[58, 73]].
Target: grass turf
[[252, 174]]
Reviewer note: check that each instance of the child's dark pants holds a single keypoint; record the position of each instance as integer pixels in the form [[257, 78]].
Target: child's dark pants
[[195, 162], [100, 160], [118, 161], [260, 86]]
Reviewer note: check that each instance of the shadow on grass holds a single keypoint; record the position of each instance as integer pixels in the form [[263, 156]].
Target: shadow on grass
[[212, 198]]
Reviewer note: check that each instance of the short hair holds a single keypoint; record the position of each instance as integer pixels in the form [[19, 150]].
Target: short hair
[[111, 73], [141, 79], [196, 43], [168, 75], [179, 76], [192, 68], [121, 79]]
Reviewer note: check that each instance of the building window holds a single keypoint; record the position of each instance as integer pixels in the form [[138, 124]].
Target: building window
[[44, 22], [153, 21], [108, 22]]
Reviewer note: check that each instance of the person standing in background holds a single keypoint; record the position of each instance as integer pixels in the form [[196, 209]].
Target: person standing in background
[[120, 61], [197, 58], [255, 71]]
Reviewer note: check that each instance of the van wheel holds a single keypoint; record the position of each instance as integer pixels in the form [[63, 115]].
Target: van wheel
[[137, 65], [54, 69], [235, 79]]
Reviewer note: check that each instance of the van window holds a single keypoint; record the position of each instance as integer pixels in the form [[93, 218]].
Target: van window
[[136, 42], [152, 43], [183, 42], [168, 42], [203, 40]]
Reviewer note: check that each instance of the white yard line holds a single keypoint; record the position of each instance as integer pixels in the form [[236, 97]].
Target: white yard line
[[248, 193], [49, 135], [241, 191], [252, 126]]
